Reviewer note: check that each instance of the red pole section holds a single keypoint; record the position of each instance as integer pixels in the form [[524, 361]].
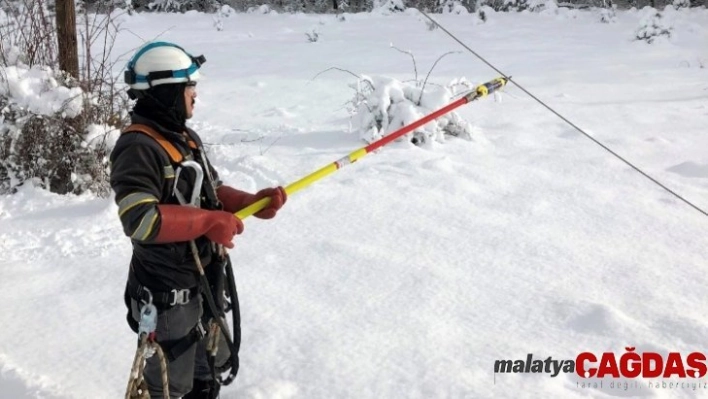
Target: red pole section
[[420, 122]]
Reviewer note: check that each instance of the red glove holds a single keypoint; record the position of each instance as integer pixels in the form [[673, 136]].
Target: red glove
[[184, 223], [235, 200]]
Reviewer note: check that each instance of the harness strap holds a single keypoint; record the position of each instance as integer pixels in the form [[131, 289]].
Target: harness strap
[[176, 348], [175, 155], [168, 299]]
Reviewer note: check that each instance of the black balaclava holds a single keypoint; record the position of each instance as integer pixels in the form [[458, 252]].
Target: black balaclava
[[165, 105]]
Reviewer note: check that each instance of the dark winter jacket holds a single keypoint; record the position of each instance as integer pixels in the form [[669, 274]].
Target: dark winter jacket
[[142, 176]]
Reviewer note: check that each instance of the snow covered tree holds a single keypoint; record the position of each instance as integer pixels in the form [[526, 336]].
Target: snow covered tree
[[388, 6], [452, 7], [653, 26], [177, 5], [382, 105], [517, 5], [608, 15]]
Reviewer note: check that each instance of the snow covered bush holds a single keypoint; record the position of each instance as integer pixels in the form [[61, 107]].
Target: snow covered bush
[[176, 5], [541, 5], [504, 5], [262, 9], [45, 135], [653, 26], [518, 5], [484, 13], [224, 12], [165, 5], [55, 130], [382, 105], [608, 15], [453, 7], [388, 6], [679, 4]]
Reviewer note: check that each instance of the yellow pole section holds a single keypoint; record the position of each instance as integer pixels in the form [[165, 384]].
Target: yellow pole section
[[304, 182]]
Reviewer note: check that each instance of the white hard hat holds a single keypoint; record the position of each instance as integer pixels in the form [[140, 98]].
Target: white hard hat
[[159, 63]]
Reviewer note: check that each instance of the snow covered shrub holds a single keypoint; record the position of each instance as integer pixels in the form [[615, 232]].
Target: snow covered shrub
[[45, 133], [541, 5], [453, 7], [504, 5], [382, 105], [679, 4], [262, 9], [165, 5], [608, 15], [54, 129], [388, 6], [484, 13], [653, 26], [224, 12], [177, 5], [518, 5]]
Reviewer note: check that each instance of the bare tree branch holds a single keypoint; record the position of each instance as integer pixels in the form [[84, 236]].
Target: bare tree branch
[[415, 66], [337, 69], [422, 90]]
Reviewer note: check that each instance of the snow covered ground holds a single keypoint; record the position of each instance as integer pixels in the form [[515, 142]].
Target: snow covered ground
[[409, 273]]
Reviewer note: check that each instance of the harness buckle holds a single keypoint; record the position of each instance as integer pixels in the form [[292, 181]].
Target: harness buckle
[[181, 297]]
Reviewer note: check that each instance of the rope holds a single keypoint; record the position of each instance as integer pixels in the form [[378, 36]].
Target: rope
[[137, 387], [603, 146]]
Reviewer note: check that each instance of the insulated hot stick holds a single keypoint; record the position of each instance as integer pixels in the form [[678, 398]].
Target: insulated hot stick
[[479, 92]]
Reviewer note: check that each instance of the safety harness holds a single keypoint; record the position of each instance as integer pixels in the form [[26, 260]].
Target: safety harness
[[215, 282]]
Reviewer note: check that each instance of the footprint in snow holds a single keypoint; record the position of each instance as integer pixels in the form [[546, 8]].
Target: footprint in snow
[[569, 134], [690, 169], [594, 318], [259, 175], [660, 140], [279, 112]]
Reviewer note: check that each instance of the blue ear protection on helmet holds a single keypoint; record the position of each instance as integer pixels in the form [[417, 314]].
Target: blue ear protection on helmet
[[131, 77]]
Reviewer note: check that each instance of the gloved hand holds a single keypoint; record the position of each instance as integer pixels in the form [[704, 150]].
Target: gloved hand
[[225, 226], [235, 200], [277, 195], [184, 223]]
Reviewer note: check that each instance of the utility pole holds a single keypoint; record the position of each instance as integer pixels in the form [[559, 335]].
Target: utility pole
[[66, 36], [69, 63]]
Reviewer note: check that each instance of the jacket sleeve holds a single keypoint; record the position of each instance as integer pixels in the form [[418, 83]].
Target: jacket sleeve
[[137, 174]]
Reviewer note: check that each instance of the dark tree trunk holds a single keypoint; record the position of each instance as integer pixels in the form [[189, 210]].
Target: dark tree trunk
[[69, 63], [66, 36]]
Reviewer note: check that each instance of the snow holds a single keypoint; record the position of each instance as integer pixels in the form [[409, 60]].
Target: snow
[[410, 272], [37, 90]]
